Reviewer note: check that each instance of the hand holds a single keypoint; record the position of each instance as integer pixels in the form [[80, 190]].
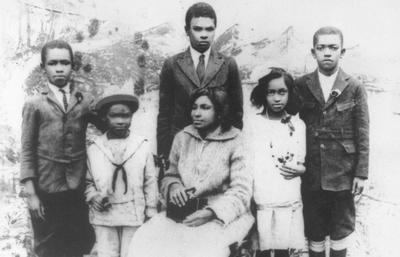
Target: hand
[[199, 218], [35, 206], [358, 186], [177, 194], [290, 172], [97, 203]]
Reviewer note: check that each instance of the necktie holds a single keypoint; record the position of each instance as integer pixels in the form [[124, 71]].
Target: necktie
[[201, 68], [65, 102]]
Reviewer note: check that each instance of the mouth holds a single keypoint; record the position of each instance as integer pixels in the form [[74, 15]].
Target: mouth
[[204, 43], [277, 105], [197, 122], [59, 77]]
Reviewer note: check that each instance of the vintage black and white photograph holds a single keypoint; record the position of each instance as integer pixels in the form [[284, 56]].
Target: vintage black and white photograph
[[215, 128]]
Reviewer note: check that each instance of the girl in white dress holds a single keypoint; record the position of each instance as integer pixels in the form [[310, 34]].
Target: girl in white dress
[[279, 150]]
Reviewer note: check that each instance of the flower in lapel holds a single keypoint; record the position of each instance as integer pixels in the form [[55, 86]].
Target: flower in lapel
[[335, 93]]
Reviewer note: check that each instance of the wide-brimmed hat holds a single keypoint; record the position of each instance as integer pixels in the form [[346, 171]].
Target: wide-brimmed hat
[[130, 100]]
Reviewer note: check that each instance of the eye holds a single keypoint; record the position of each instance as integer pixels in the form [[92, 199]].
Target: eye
[[319, 48], [282, 91], [270, 92], [197, 29], [210, 29], [51, 63], [65, 62], [334, 47]]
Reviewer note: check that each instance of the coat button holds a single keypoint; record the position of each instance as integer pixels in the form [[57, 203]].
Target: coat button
[[316, 134], [324, 112], [322, 146]]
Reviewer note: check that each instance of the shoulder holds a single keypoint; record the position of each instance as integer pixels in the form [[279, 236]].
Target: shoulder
[[297, 122], [33, 102], [302, 79]]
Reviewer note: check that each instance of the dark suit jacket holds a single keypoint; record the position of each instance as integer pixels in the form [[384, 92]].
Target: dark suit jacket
[[54, 141], [337, 132], [178, 79]]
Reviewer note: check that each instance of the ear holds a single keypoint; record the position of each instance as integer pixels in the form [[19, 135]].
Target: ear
[[41, 65], [342, 52], [313, 53], [187, 30]]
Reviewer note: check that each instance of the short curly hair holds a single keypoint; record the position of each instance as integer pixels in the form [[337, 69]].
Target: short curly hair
[[200, 9]]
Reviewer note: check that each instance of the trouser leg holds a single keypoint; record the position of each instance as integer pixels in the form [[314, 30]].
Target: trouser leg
[[107, 241]]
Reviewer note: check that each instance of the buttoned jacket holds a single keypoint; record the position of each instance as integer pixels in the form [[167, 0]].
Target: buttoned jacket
[[178, 80], [53, 141], [337, 132]]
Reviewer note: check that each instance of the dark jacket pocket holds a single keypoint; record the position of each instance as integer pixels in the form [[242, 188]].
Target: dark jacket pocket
[[348, 146]]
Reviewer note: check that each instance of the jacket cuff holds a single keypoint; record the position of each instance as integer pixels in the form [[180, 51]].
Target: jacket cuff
[[150, 212], [223, 211]]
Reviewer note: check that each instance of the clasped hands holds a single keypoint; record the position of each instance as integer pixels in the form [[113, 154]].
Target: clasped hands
[[291, 170], [179, 197]]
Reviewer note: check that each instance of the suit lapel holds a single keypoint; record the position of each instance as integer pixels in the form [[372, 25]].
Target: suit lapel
[[73, 101], [186, 64], [52, 98], [215, 62], [315, 88], [339, 85]]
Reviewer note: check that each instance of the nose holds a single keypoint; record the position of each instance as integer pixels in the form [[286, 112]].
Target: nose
[[327, 52], [196, 112], [204, 34], [276, 98]]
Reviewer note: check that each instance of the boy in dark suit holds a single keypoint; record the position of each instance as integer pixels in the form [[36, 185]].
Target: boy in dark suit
[[334, 109], [53, 158], [198, 67]]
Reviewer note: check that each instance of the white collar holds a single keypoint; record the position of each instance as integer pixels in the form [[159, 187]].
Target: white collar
[[56, 89], [331, 77], [196, 55]]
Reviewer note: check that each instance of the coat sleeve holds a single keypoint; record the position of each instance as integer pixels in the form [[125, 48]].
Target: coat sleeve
[[93, 116], [29, 141], [90, 190], [166, 107], [150, 186], [236, 200], [235, 94], [172, 174], [361, 125]]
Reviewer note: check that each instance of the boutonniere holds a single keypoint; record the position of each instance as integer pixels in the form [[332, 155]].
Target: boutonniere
[[335, 93], [287, 121], [79, 96]]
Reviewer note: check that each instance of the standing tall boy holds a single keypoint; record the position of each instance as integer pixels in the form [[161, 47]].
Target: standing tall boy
[[334, 109], [200, 66], [53, 158]]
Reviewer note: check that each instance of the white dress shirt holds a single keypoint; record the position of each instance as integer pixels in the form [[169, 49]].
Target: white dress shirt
[[196, 55], [326, 83], [59, 94]]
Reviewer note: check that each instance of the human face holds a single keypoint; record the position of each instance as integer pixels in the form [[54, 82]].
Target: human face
[[203, 114], [327, 52], [277, 97], [118, 119], [201, 33], [58, 66]]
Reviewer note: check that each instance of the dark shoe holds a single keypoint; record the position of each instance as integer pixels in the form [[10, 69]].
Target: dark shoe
[[316, 254]]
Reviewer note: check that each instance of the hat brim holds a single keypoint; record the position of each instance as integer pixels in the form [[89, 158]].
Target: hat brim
[[129, 100]]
